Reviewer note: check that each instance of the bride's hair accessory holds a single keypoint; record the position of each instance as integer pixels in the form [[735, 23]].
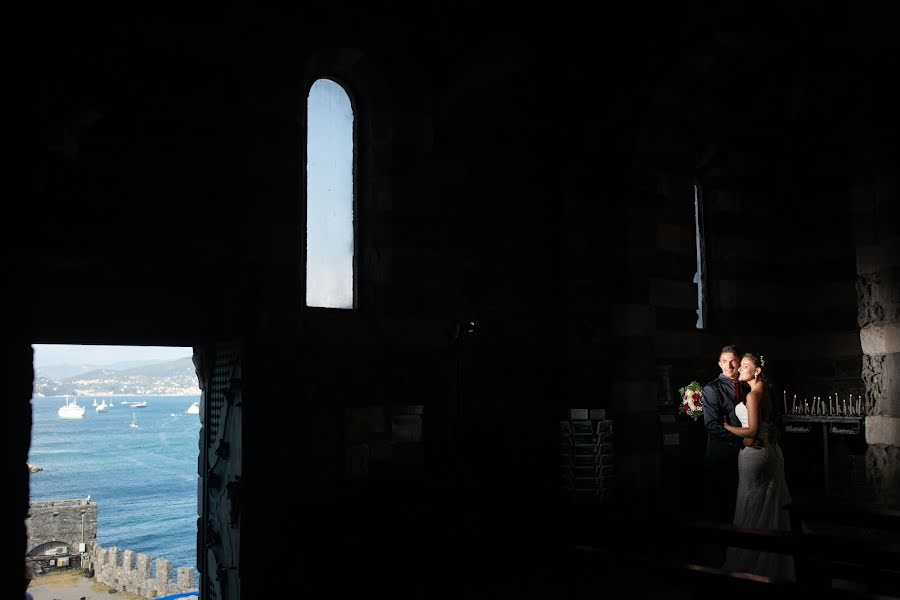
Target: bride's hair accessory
[[762, 360]]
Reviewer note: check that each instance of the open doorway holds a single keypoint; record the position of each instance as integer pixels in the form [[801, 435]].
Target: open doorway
[[113, 460]]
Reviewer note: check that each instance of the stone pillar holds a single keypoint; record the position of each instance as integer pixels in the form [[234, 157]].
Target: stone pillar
[[143, 566], [878, 291], [163, 572], [185, 579], [111, 567], [128, 562], [98, 558]]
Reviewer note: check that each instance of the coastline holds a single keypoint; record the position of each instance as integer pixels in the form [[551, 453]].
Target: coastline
[[144, 479]]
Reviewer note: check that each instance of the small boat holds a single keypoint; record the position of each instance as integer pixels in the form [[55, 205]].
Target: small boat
[[142, 404], [71, 410], [124, 402], [134, 423], [193, 409], [95, 402], [102, 406]]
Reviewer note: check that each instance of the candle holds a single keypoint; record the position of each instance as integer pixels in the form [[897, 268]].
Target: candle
[[794, 405], [784, 401], [859, 406]]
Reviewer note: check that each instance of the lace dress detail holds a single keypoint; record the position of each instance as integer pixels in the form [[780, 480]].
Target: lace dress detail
[[761, 495]]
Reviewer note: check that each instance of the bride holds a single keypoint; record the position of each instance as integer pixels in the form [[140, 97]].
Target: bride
[[762, 491]]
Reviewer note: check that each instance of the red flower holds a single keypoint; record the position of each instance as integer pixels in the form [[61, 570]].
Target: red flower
[[696, 396], [696, 404]]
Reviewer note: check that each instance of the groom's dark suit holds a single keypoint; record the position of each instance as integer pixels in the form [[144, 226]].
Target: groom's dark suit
[[722, 448]]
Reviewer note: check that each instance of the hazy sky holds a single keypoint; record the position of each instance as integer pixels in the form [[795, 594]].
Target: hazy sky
[[329, 209], [60, 354]]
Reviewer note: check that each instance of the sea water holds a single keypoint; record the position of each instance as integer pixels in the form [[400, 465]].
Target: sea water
[[143, 479]]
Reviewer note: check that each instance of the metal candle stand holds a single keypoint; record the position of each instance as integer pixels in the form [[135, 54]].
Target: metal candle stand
[[835, 415], [838, 425]]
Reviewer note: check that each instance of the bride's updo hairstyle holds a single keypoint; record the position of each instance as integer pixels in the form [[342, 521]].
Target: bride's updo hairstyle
[[768, 405], [759, 361]]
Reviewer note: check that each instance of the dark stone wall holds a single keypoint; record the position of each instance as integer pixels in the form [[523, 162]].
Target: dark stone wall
[[16, 357], [540, 190]]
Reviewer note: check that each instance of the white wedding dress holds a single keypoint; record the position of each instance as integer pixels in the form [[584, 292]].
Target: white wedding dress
[[761, 495]]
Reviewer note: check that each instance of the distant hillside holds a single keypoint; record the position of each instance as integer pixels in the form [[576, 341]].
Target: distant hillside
[[175, 378], [60, 372]]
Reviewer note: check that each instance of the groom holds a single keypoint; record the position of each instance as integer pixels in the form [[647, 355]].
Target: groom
[[722, 447]]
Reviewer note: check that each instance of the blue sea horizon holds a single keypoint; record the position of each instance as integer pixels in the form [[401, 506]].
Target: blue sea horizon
[[143, 479]]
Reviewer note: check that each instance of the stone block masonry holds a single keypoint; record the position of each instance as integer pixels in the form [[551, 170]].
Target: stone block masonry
[[60, 526], [133, 573], [878, 317]]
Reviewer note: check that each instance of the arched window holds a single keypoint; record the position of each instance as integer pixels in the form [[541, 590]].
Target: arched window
[[700, 274], [330, 228]]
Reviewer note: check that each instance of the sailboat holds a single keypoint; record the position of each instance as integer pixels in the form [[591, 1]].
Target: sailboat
[[134, 420], [193, 409], [102, 406]]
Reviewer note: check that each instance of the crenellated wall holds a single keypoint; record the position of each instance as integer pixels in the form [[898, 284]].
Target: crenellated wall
[[134, 573], [57, 527]]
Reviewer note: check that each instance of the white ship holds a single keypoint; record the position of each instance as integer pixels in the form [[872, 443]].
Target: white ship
[[102, 407], [193, 409], [134, 420], [70, 410]]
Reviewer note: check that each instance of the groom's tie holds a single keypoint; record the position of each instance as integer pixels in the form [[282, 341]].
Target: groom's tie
[[737, 394]]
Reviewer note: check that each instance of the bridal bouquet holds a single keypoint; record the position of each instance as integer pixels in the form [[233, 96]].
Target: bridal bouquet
[[691, 400]]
